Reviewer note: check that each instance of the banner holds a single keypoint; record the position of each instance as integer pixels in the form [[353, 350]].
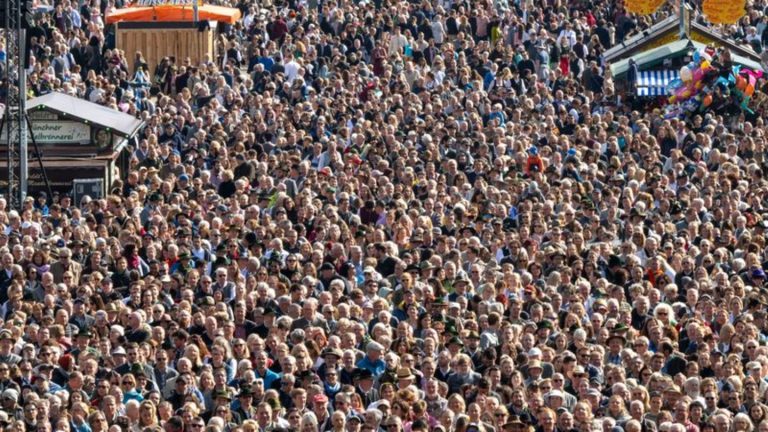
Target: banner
[[58, 132], [724, 11], [643, 7]]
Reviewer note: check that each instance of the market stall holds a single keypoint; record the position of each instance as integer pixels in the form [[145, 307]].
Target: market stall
[[173, 29], [77, 140]]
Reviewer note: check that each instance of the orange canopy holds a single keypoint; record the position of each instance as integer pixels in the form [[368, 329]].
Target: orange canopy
[[174, 13]]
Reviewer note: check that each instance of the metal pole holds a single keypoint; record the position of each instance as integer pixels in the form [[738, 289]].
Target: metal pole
[[681, 15], [23, 152], [38, 155]]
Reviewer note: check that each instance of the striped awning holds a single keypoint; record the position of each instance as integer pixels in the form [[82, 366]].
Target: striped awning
[[654, 82]]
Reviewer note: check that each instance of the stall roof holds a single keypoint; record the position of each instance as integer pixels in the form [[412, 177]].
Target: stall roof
[[650, 58], [667, 30], [638, 39], [175, 13], [120, 123]]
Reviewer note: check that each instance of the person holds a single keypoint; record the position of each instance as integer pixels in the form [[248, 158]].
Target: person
[[441, 216]]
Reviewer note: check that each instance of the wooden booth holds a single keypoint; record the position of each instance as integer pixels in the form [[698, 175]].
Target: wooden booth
[[165, 28], [80, 143]]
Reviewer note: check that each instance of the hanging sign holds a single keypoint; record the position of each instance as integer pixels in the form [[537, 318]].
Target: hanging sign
[[724, 11], [643, 7]]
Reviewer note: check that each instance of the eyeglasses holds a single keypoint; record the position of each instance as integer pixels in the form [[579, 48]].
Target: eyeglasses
[[197, 425]]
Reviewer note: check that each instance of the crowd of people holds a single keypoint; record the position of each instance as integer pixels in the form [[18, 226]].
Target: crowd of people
[[385, 215]]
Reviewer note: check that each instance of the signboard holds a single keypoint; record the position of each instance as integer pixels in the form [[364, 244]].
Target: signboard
[[643, 7], [724, 11], [93, 187], [58, 132], [153, 3], [61, 178]]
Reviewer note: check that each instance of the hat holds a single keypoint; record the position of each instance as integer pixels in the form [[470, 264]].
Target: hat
[[533, 364], [320, 398], [455, 341], [620, 328], [758, 273], [327, 266], [461, 278], [11, 393], [332, 351], [513, 421], [361, 374], [617, 336], [355, 417], [555, 393], [245, 391], [118, 351], [404, 373], [6, 334], [222, 394], [579, 370]]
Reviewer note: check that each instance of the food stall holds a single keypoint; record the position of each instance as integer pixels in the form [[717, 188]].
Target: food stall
[[170, 28], [77, 140]]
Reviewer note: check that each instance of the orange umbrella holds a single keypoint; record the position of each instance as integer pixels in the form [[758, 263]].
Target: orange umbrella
[[175, 13]]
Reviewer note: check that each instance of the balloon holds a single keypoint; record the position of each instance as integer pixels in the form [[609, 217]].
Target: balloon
[[741, 83], [696, 57], [707, 100], [698, 74], [750, 90], [674, 85], [705, 64], [685, 74]]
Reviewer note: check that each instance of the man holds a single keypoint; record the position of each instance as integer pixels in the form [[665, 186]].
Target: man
[[372, 360], [7, 342], [464, 375], [363, 379], [221, 283], [66, 264], [261, 370], [264, 416], [310, 317], [320, 409]]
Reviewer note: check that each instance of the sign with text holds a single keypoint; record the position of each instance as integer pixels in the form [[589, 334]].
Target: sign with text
[[58, 132]]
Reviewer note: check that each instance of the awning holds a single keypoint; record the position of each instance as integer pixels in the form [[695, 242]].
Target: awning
[[656, 56], [175, 13], [654, 83], [120, 123]]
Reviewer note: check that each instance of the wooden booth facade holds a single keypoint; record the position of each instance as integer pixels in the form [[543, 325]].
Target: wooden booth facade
[[157, 40], [78, 141]]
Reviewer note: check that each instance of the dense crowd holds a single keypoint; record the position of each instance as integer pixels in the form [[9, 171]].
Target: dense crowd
[[391, 216]]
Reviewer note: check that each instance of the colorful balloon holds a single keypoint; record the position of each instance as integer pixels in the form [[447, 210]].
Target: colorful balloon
[[685, 74]]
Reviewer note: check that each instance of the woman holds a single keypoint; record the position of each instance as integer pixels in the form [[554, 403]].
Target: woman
[[757, 413], [309, 422]]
